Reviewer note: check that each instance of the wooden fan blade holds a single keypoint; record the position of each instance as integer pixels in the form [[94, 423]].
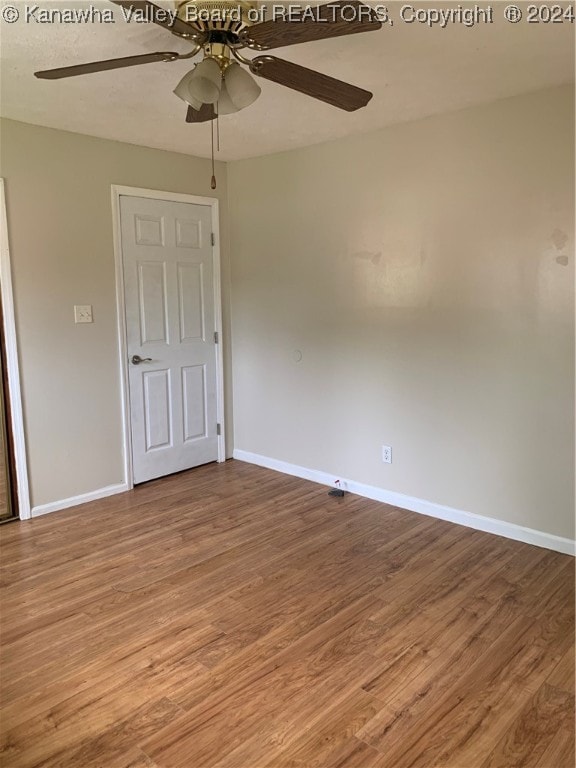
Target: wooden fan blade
[[310, 82], [101, 66], [143, 9], [332, 20], [202, 115]]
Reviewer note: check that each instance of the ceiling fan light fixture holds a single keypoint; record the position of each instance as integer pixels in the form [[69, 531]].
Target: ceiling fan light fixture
[[225, 105], [182, 90], [220, 28], [202, 85], [206, 81], [241, 87]]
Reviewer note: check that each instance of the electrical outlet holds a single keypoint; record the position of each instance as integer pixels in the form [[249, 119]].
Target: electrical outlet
[[387, 454], [82, 313]]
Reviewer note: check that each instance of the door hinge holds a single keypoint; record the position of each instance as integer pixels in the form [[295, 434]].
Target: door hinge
[[212, 238], [215, 337], [218, 429]]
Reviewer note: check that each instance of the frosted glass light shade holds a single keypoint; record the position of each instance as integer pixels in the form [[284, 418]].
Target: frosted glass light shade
[[206, 81], [241, 87], [225, 105], [202, 85], [182, 90]]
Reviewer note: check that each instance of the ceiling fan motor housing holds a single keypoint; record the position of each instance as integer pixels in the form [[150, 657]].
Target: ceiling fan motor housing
[[218, 15]]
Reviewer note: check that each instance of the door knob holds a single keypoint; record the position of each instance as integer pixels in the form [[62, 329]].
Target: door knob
[[136, 359]]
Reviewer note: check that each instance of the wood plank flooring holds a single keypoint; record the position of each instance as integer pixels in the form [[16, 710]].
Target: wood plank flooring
[[234, 617]]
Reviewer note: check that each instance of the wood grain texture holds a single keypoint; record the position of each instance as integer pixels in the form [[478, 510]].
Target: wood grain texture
[[308, 81], [105, 65], [233, 617], [202, 115]]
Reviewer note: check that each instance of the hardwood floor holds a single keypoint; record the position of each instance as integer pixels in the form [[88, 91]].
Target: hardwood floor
[[233, 617]]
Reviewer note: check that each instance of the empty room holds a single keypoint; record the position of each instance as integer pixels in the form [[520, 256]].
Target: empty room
[[287, 384]]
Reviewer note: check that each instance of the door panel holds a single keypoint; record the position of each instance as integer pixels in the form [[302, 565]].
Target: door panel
[[194, 398], [157, 410], [191, 298], [188, 233], [153, 302], [170, 323]]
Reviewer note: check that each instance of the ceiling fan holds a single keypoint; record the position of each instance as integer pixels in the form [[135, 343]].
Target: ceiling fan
[[218, 84]]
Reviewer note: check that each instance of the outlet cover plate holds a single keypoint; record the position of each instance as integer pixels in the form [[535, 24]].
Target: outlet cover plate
[[83, 313]]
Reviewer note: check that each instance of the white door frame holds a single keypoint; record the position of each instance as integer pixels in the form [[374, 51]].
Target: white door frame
[[176, 197], [13, 369]]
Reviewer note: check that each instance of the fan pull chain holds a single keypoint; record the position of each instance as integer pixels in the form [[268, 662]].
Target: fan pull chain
[[213, 179]]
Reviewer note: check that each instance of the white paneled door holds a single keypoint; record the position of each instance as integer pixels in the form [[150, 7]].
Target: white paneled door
[[168, 267]]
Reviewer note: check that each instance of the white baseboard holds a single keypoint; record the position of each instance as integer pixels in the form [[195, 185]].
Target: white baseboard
[[84, 498], [423, 507]]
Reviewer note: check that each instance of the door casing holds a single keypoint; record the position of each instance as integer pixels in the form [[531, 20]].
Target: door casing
[[12, 367], [117, 192]]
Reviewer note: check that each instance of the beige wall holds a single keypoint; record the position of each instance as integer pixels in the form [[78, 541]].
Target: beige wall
[[60, 230], [426, 274]]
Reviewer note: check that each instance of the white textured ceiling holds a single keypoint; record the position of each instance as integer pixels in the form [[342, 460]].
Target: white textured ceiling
[[413, 71]]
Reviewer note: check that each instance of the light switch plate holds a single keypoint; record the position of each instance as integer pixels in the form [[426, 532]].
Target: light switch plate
[[83, 313]]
